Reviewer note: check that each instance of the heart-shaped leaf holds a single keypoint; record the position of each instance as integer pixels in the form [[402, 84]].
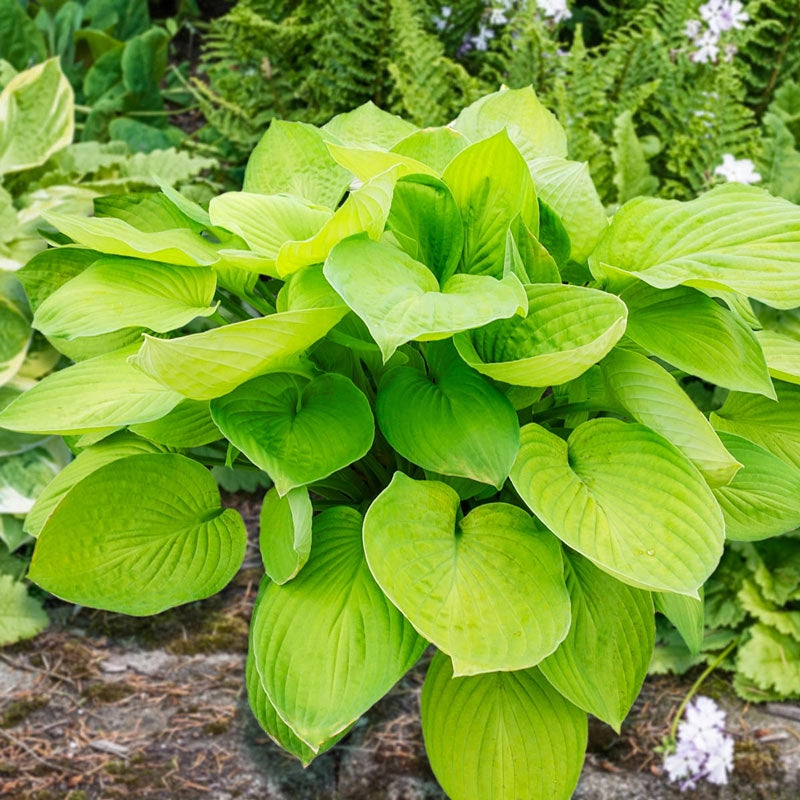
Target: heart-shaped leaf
[[451, 421], [502, 736], [476, 587], [369, 126], [140, 535], [329, 633], [436, 147], [285, 533], [189, 424], [566, 330], [297, 431], [627, 499]]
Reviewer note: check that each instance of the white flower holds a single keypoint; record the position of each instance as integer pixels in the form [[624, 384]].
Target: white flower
[[693, 28], [724, 15], [481, 39], [555, 10], [707, 48], [730, 51], [736, 170], [497, 16], [443, 18], [705, 713]]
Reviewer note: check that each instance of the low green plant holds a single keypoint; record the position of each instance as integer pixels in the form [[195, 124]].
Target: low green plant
[[40, 173], [483, 409]]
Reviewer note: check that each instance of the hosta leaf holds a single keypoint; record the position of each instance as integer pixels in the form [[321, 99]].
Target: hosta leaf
[[502, 736], [566, 330], [436, 147], [205, 365], [773, 426], [12, 535], [654, 398], [37, 117], [491, 185], [403, 301], [612, 625], [115, 293], [138, 536], [181, 246], [369, 126], [763, 499], [567, 187], [102, 392], [782, 354], [297, 431], [307, 288], [267, 222], [366, 163], [51, 269], [292, 159], [426, 221], [116, 446], [531, 127], [285, 533], [189, 424], [268, 718], [452, 421], [23, 476], [689, 330], [15, 337], [686, 614], [21, 616], [330, 633], [475, 587], [627, 499], [733, 237], [364, 211], [771, 660]]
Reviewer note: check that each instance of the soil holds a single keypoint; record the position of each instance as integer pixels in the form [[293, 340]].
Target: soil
[[104, 707]]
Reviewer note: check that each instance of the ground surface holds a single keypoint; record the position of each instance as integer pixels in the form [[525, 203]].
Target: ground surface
[[103, 707]]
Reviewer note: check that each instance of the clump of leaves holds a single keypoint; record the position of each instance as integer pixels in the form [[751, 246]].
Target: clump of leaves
[[467, 391]]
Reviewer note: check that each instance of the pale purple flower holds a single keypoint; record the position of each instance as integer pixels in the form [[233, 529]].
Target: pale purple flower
[[724, 15], [736, 170], [555, 10], [497, 16], [441, 20], [707, 48], [480, 41], [693, 28], [730, 51]]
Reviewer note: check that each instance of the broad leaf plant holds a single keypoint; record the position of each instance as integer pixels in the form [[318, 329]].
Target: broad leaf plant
[[494, 422]]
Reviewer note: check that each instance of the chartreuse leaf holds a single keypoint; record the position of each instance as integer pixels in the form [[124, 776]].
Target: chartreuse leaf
[[37, 117], [330, 633], [297, 431], [285, 533], [266, 222], [267, 716], [654, 398], [369, 126], [116, 293], [763, 499], [24, 475], [567, 187], [116, 446], [15, 337], [686, 614], [212, 363], [292, 159], [491, 185], [782, 354], [436, 147], [307, 288], [51, 269], [364, 211], [427, 224], [689, 330], [733, 237], [451, 421], [189, 424], [140, 535], [773, 426], [527, 257], [501, 736], [668, 539], [102, 392], [21, 616], [566, 331], [475, 587], [602, 663], [771, 660], [403, 301], [366, 162], [181, 246], [531, 127]]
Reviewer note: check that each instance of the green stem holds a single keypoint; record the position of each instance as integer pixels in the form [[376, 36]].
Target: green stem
[[673, 731]]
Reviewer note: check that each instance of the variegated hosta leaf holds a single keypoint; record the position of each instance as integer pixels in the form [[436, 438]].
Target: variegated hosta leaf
[[627, 499]]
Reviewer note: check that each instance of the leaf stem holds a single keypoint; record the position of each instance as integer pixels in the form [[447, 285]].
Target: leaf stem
[[673, 731]]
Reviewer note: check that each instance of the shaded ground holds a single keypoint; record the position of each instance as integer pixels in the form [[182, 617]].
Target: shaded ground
[[102, 707]]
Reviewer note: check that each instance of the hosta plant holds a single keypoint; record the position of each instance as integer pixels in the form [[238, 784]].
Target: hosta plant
[[482, 408]]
